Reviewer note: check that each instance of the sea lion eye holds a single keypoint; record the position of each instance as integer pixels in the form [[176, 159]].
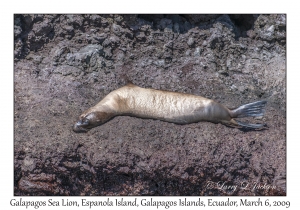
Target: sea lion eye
[[85, 121]]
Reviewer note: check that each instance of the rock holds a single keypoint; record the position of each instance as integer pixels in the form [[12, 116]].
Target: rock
[[41, 28], [86, 57], [112, 41], [166, 24], [191, 41], [67, 70], [17, 31], [117, 30], [198, 51], [95, 20], [100, 38]]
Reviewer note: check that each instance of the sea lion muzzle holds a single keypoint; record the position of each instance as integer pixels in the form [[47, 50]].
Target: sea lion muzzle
[[81, 126]]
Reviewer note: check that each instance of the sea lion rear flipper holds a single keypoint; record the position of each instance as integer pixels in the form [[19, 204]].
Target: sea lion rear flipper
[[249, 125], [255, 109]]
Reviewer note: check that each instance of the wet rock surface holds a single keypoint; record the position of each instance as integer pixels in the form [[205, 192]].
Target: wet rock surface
[[65, 64]]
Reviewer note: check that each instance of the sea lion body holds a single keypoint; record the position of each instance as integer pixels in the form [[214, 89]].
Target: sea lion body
[[131, 100]]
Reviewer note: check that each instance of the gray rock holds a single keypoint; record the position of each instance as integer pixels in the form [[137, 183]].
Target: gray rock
[[86, 57], [67, 70], [191, 41], [198, 51]]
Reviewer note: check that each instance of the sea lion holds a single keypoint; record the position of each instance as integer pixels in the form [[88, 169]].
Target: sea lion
[[179, 108]]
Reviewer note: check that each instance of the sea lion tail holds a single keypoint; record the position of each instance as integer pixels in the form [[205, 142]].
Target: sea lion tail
[[255, 109]]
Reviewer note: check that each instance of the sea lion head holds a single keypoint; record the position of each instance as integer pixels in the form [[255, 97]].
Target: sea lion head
[[89, 120]]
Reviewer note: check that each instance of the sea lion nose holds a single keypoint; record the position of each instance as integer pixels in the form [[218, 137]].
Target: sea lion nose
[[78, 127]]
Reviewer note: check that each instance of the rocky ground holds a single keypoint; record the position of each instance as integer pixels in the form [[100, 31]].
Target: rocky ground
[[65, 64]]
